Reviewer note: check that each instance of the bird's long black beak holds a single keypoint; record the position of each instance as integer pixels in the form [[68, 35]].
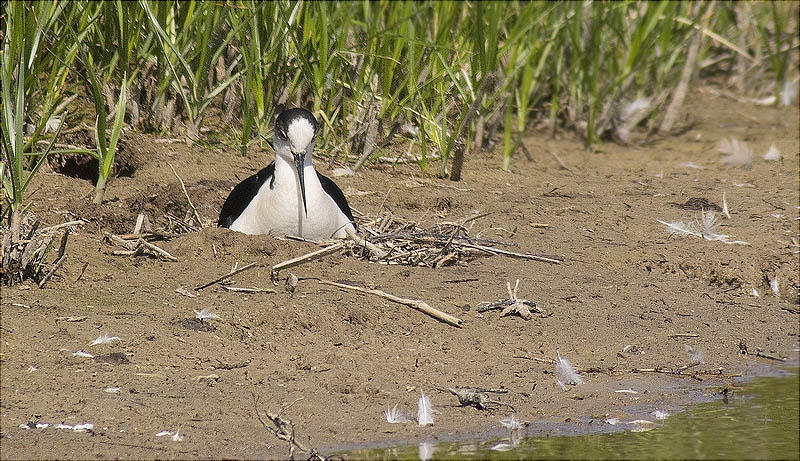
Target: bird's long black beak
[[298, 163]]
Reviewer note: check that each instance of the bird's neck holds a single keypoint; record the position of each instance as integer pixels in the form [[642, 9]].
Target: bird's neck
[[285, 173]]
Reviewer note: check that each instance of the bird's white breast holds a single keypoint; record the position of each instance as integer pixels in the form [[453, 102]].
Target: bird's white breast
[[279, 210]]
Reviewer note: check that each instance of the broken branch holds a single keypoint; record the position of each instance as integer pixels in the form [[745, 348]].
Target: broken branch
[[413, 303]]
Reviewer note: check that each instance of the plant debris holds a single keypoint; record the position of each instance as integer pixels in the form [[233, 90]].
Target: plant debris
[[443, 244], [478, 398], [25, 251], [512, 305]]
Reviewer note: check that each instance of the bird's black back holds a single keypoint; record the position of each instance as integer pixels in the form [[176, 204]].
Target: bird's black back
[[337, 195], [243, 194]]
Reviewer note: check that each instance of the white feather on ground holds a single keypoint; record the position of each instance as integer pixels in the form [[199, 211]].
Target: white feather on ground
[[773, 285], [694, 354], [105, 339], [205, 314], [725, 210], [710, 226], [681, 228], [566, 372], [396, 416], [737, 153], [773, 153], [705, 227], [424, 410]]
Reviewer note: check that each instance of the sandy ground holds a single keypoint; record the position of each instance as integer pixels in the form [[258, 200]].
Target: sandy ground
[[628, 295]]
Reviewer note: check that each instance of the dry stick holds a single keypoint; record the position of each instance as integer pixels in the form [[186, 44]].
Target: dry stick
[[183, 186], [684, 335], [560, 162], [229, 274], [413, 303], [56, 265], [146, 236], [62, 255], [283, 429], [671, 114], [66, 224], [458, 157], [160, 251], [247, 290], [129, 245], [139, 222], [369, 144], [511, 253], [535, 359], [694, 374], [305, 258]]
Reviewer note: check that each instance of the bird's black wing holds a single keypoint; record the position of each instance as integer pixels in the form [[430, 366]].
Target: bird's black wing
[[337, 195], [243, 194]]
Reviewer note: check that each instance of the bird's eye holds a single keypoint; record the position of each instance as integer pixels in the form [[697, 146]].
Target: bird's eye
[[281, 133]]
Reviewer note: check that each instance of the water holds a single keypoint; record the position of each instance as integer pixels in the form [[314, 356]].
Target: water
[[758, 421]]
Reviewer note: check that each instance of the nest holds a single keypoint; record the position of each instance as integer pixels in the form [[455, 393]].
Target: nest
[[390, 240]]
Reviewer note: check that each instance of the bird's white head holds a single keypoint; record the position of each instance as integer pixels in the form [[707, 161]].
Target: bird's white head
[[295, 133]]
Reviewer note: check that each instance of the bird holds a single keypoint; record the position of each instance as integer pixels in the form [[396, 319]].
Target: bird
[[289, 196]]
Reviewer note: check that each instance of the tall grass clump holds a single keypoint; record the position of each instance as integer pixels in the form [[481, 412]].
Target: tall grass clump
[[454, 77], [21, 89]]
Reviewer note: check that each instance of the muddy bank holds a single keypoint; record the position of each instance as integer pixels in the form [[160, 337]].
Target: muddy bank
[[628, 296]]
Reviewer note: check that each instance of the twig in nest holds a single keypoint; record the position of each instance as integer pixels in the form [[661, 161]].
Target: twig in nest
[[229, 274], [512, 305], [416, 304], [183, 186], [478, 398]]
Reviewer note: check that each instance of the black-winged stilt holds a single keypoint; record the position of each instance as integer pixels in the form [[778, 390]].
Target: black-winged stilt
[[289, 197]]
